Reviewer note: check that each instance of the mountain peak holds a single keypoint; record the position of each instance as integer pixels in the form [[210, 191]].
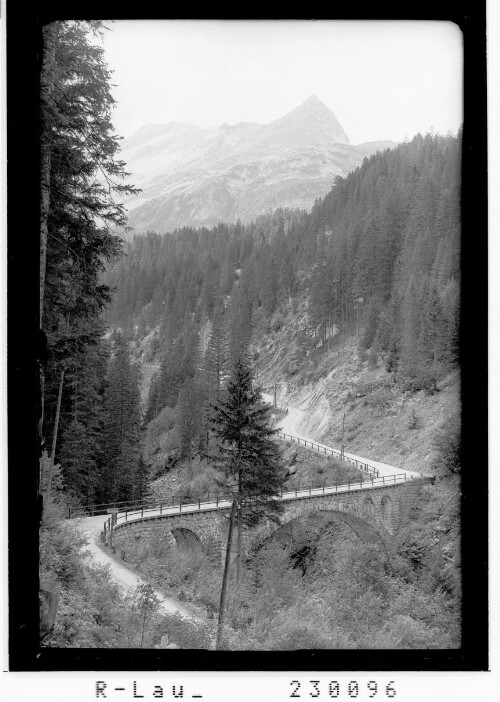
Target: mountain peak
[[311, 105], [316, 118], [313, 100]]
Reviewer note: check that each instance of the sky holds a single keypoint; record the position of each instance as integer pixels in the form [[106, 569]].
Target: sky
[[382, 79]]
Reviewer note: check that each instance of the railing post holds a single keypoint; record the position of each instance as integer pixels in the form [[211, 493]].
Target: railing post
[[126, 516], [324, 481], [180, 504], [142, 511], [310, 488], [394, 477], [161, 507], [216, 499], [383, 480], [199, 502]]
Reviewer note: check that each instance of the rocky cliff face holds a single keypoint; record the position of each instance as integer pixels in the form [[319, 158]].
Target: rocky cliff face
[[199, 177]]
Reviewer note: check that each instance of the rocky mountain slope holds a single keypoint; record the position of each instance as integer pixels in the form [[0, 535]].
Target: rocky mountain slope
[[344, 386], [201, 176]]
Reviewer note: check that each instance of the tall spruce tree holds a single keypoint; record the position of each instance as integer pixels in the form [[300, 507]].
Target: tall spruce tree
[[81, 445], [122, 479], [249, 459], [189, 420], [81, 184], [216, 358]]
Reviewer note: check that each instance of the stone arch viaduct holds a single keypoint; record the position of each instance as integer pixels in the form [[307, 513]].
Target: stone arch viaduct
[[375, 511]]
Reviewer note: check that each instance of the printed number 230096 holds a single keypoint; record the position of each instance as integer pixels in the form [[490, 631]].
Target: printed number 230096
[[335, 689]]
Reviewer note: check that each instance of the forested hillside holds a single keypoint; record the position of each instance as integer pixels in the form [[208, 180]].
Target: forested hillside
[[379, 255], [381, 249]]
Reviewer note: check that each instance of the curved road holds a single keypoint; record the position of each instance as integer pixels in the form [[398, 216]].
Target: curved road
[[127, 578], [290, 424]]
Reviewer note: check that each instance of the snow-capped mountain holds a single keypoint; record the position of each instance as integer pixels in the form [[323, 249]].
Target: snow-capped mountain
[[201, 176]]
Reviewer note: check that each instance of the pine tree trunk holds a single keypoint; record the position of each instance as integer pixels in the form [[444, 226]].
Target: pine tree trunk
[[224, 578], [54, 437]]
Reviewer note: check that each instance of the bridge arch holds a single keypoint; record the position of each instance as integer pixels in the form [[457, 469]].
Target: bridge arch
[[364, 530], [187, 541]]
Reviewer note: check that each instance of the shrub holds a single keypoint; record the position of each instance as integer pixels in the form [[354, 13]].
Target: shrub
[[372, 359], [381, 399], [414, 421], [362, 354], [416, 378], [186, 633], [292, 636], [405, 632], [447, 443]]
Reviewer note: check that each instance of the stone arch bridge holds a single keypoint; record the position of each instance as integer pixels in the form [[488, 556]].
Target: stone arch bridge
[[375, 510]]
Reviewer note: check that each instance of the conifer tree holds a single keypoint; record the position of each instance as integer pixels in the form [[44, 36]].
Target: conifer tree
[[432, 326], [216, 359], [153, 407], [246, 453], [240, 321], [81, 185], [78, 461], [248, 457], [371, 323], [80, 453], [189, 420], [122, 425]]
